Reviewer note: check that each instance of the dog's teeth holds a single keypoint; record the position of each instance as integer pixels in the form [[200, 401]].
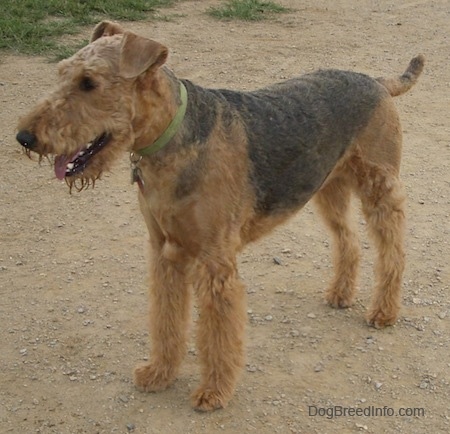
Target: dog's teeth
[[81, 153], [89, 145], [69, 166]]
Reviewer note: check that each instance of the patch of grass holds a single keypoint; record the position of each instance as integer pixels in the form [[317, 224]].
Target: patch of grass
[[247, 10], [37, 26]]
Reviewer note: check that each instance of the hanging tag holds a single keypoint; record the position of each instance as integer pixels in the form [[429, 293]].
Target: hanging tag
[[136, 175]]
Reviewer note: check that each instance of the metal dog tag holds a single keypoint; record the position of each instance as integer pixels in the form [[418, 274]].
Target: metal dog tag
[[136, 175]]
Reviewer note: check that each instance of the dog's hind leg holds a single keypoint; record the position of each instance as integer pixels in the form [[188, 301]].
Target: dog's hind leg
[[376, 167], [333, 202], [382, 200]]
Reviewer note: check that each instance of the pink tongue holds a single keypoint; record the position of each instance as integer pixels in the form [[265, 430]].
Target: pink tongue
[[61, 162]]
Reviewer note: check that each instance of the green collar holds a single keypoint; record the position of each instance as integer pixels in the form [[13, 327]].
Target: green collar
[[170, 131]]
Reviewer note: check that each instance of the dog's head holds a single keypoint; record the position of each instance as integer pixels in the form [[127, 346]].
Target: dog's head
[[107, 99]]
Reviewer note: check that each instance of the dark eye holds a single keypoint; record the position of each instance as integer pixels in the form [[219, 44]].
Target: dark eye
[[86, 84]]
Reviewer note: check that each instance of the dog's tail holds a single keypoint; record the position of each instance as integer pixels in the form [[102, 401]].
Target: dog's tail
[[399, 85]]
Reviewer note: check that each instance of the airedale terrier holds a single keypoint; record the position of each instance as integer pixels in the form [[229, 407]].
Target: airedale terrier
[[218, 169]]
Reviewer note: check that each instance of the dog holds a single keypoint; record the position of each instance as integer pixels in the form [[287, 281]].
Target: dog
[[218, 169]]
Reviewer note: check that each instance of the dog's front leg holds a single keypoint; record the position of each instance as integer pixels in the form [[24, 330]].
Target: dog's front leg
[[169, 313], [220, 332]]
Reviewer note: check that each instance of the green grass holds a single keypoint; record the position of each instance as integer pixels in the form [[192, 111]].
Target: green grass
[[38, 26], [248, 10]]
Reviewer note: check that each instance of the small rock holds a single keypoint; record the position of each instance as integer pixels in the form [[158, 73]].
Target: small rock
[[378, 385], [318, 367], [131, 427], [268, 318], [123, 398], [311, 315], [277, 260], [424, 385], [442, 315]]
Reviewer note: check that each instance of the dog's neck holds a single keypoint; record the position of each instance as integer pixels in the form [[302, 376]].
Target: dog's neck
[[159, 112], [170, 115], [172, 128]]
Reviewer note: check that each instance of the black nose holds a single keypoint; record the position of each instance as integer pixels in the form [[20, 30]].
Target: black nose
[[26, 139]]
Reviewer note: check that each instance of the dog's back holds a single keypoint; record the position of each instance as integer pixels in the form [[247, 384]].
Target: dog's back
[[295, 130], [298, 129]]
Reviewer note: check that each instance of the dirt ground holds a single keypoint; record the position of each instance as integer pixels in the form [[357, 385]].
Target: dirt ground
[[73, 267]]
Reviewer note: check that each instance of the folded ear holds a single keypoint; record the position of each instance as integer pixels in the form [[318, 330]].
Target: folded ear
[[138, 54], [106, 28]]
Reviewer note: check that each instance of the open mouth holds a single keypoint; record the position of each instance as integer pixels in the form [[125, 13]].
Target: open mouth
[[70, 165]]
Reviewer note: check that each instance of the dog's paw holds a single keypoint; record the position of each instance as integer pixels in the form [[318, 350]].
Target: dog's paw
[[204, 399], [149, 378], [339, 300], [379, 319]]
